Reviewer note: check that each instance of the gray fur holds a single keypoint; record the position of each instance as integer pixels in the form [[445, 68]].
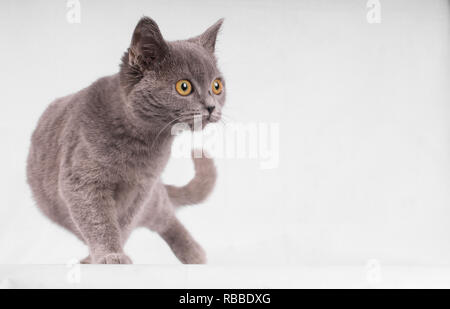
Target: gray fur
[[96, 156]]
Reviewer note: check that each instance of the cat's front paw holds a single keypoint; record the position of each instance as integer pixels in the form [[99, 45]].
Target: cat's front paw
[[114, 258]]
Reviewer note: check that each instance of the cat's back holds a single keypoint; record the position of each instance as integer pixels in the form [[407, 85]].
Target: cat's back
[[45, 154], [46, 138], [57, 135], [58, 128]]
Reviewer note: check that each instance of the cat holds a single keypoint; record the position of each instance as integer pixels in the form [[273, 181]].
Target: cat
[[96, 156]]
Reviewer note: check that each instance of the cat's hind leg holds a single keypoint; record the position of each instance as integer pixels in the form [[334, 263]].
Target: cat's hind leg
[[159, 216], [183, 245]]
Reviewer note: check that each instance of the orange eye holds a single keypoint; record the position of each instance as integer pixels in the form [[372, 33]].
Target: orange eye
[[217, 86], [183, 87]]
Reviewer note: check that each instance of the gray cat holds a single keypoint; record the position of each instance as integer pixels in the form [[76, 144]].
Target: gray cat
[[96, 156]]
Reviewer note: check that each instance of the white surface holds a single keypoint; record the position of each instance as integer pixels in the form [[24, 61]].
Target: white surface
[[196, 277], [363, 109]]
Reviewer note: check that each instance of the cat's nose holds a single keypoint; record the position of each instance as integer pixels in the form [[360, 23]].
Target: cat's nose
[[210, 109]]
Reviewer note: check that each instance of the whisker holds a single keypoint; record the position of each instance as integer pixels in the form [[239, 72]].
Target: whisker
[[168, 124], [183, 117], [228, 117]]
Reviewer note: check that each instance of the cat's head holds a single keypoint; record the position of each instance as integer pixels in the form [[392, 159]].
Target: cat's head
[[167, 83]]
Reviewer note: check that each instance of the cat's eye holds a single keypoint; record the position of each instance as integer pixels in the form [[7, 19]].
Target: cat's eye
[[217, 86], [183, 87]]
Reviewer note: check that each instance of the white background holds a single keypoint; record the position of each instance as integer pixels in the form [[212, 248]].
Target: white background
[[363, 110]]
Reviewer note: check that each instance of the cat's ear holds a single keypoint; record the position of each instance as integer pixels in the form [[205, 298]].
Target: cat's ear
[[148, 46], [208, 38]]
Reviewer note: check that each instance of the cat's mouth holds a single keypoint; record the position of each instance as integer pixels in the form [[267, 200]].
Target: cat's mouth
[[199, 122], [214, 117]]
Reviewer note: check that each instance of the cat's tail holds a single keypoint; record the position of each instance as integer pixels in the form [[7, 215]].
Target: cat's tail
[[200, 187]]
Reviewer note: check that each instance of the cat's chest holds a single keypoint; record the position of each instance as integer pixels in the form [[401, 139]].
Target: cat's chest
[[140, 165], [131, 197], [136, 177], [135, 183]]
